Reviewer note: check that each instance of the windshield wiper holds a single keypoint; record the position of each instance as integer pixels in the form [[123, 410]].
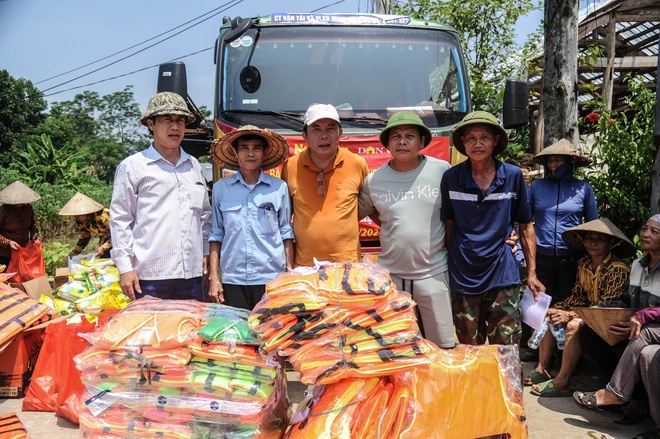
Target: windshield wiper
[[281, 114], [365, 119]]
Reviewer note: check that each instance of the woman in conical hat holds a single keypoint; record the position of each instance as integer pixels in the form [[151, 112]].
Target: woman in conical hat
[[601, 277], [559, 201], [639, 361], [18, 224], [91, 218]]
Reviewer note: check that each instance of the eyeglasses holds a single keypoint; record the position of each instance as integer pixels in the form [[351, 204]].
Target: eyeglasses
[[320, 184]]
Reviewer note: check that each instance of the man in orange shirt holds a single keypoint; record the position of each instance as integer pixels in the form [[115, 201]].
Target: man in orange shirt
[[324, 183]]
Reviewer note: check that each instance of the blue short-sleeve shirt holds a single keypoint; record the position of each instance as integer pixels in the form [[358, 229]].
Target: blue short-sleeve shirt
[[479, 259], [252, 224]]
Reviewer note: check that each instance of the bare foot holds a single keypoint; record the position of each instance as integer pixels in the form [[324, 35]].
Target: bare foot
[[605, 397]]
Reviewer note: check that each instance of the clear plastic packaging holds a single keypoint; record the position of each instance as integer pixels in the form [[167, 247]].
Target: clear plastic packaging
[[340, 320], [559, 332]]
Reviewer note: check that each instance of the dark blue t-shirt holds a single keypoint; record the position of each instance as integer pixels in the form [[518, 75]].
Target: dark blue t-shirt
[[479, 259]]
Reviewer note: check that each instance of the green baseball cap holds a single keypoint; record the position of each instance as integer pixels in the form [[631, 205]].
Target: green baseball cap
[[485, 118], [167, 103], [404, 118]]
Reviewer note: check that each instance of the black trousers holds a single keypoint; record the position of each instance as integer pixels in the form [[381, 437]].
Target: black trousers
[[243, 296]]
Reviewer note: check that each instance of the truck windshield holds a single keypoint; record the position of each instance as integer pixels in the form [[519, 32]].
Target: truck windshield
[[367, 72]]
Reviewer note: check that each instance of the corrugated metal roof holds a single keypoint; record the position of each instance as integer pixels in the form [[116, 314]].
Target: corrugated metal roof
[[636, 44]]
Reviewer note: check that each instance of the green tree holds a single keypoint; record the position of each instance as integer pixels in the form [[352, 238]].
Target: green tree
[[21, 110], [486, 30], [118, 118], [43, 163], [81, 112], [104, 129], [623, 153]]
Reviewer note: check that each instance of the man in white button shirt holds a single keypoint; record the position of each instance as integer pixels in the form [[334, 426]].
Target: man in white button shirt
[[160, 211]]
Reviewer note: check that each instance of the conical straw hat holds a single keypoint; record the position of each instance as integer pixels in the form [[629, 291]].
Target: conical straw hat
[[277, 148], [18, 193], [80, 204], [600, 319], [624, 249], [562, 147]]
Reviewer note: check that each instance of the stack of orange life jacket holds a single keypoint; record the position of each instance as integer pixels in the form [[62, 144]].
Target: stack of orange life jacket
[[340, 320]]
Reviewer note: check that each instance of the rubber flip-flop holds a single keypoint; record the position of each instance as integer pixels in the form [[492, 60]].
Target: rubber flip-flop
[[587, 401], [549, 389]]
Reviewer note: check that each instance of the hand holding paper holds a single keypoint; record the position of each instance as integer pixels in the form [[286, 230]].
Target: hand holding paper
[[534, 311]]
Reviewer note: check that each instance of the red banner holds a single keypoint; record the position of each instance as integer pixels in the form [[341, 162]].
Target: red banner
[[376, 155], [368, 147]]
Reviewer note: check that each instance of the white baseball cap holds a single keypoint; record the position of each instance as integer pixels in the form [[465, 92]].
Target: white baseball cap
[[321, 111]]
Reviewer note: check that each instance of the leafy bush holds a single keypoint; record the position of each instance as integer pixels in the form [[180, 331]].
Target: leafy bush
[[55, 255], [54, 197], [623, 154]]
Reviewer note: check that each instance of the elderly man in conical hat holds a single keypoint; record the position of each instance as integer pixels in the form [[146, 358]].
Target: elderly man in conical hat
[[160, 213], [91, 218], [18, 225], [251, 240]]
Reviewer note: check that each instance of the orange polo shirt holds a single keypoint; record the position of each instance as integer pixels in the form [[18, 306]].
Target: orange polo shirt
[[326, 228]]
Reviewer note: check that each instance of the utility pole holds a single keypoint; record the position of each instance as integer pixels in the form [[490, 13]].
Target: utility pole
[[382, 6], [560, 72]]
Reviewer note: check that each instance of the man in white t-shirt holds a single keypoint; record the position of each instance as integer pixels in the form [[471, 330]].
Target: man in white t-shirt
[[403, 197]]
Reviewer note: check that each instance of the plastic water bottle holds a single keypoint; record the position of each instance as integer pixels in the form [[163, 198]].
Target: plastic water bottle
[[538, 334], [559, 331]]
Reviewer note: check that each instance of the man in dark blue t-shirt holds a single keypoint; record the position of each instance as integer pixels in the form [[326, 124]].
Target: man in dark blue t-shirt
[[482, 199]]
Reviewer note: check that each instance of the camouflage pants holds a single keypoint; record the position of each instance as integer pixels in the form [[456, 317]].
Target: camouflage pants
[[494, 315]]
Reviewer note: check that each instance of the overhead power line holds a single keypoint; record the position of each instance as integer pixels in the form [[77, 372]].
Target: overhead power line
[[124, 74], [231, 4], [226, 6], [327, 6], [133, 46]]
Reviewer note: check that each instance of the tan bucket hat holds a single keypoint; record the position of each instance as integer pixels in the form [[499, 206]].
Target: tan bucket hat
[[562, 147], [600, 319], [224, 153], [624, 248], [18, 193], [483, 117], [80, 204]]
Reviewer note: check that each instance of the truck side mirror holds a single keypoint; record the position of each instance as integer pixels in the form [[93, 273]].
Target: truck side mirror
[[516, 104], [238, 27]]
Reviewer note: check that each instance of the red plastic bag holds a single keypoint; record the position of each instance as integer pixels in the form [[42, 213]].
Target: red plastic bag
[[56, 385], [41, 395], [71, 388], [27, 262]]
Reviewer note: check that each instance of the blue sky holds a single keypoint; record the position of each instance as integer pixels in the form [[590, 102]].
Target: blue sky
[[43, 38]]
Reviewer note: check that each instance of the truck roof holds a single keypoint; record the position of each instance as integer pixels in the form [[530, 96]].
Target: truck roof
[[347, 19]]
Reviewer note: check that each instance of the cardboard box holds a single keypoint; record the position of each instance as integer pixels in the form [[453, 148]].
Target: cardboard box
[[18, 358], [61, 277], [36, 287]]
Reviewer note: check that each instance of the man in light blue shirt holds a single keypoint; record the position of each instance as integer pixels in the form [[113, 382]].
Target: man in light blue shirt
[[251, 236]]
